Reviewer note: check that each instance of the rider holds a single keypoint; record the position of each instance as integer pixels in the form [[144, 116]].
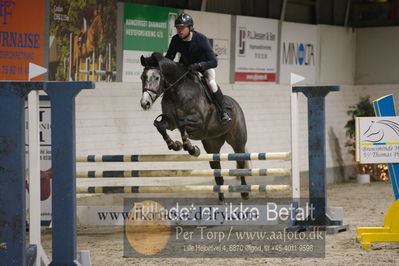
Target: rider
[[82, 32], [197, 54]]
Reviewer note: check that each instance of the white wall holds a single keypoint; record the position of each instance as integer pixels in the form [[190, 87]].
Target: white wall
[[217, 27], [377, 55], [337, 55]]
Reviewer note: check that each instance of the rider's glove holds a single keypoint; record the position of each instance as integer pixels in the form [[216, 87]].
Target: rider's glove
[[196, 67]]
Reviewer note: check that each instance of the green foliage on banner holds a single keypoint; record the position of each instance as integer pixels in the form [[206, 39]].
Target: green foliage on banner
[[66, 22]]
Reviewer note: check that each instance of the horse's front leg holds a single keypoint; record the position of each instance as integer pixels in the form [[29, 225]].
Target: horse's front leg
[[162, 125], [187, 146]]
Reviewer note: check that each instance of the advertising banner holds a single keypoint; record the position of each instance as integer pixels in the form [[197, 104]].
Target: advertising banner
[[298, 52], [83, 40], [255, 50], [377, 139], [22, 37], [146, 29]]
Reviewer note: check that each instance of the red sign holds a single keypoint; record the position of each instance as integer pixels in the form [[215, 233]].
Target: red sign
[[21, 37], [255, 77]]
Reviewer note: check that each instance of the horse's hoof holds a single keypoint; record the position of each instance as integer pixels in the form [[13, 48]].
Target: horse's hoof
[[195, 151], [178, 146], [221, 198], [245, 195]]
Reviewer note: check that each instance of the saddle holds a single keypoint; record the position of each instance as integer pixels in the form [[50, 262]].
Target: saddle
[[207, 90], [209, 94]]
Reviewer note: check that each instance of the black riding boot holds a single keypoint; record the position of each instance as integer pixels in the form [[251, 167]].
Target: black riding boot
[[219, 99]]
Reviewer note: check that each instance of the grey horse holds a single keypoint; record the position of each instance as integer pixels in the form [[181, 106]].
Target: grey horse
[[186, 105]]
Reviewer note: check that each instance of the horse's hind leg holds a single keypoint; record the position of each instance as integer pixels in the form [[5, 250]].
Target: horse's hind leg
[[243, 165], [213, 146], [161, 126], [187, 146]]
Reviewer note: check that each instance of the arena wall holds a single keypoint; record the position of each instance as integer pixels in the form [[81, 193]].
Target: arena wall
[[337, 55], [377, 56]]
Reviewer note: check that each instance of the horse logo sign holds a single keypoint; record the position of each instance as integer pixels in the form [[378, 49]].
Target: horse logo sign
[[378, 139]]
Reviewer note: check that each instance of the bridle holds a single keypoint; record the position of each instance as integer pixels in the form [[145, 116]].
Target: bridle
[[162, 79]]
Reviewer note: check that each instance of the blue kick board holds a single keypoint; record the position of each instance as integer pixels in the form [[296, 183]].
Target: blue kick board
[[385, 106]]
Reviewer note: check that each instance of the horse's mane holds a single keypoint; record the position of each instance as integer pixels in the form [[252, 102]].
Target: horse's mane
[[165, 63], [169, 68]]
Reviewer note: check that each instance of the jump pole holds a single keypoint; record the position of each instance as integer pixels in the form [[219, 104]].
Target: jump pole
[[284, 156], [181, 189], [184, 173]]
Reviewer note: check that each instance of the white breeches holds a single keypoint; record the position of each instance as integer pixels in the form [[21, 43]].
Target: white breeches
[[210, 76]]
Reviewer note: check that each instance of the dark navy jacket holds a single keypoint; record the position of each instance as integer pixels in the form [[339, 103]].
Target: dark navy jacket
[[198, 50]]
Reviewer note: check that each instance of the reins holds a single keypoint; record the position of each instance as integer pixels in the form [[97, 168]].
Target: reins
[[174, 83]]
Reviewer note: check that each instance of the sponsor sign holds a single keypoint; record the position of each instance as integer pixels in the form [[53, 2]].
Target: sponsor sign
[[255, 50], [146, 29], [298, 52], [22, 37], [377, 139], [221, 48]]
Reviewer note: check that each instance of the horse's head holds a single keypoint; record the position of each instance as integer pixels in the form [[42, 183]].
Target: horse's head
[[159, 72], [151, 78], [152, 86]]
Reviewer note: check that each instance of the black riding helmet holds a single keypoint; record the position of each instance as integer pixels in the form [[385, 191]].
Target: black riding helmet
[[184, 20]]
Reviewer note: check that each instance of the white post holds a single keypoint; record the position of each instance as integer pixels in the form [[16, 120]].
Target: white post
[[70, 57], [109, 64], [93, 67], [34, 177], [296, 185], [99, 63], [87, 69], [34, 168]]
